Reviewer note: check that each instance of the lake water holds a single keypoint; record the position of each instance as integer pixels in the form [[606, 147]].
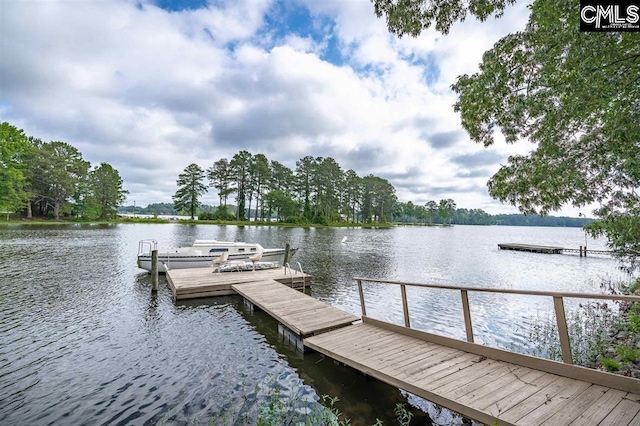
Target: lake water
[[83, 340]]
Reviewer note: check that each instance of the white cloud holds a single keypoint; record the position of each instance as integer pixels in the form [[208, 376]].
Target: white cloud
[[151, 91]]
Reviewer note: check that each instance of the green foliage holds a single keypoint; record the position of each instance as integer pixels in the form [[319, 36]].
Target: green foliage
[[240, 165], [61, 171], [221, 213], [589, 327], [106, 189], [633, 322], [610, 364], [190, 187], [13, 148], [627, 354], [402, 415], [413, 16]]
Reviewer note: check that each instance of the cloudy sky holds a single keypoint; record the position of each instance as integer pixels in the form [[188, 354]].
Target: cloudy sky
[[153, 86]]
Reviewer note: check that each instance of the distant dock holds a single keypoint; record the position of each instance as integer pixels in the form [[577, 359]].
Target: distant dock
[[550, 249]]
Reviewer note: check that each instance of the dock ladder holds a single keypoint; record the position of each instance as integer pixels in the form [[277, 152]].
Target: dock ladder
[[288, 268]]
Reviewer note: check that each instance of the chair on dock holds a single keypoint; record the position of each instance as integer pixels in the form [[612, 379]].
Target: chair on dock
[[220, 261], [255, 258]]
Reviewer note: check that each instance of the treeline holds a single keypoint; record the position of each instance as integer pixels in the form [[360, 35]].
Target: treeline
[[167, 209], [445, 212], [318, 191], [52, 180]]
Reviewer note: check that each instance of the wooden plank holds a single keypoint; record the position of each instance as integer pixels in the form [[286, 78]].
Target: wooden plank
[[594, 414], [503, 403], [503, 374], [624, 413], [397, 352], [352, 336], [545, 401], [571, 410], [298, 312], [440, 364], [418, 357], [609, 380], [489, 394], [410, 387], [460, 376]]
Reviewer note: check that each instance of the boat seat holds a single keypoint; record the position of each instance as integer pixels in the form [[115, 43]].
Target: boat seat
[[221, 260]]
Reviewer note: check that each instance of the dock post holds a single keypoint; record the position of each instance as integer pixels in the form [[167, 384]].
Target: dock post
[[287, 247], [154, 270], [580, 251], [585, 250], [563, 331]]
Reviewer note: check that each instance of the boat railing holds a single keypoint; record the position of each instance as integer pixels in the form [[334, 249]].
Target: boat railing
[[558, 303], [142, 244]]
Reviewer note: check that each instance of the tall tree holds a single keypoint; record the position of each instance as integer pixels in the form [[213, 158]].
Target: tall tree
[[13, 148], [446, 209], [575, 95], [378, 199], [352, 192], [61, 170], [431, 207], [304, 178], [261, 174], [220, 176], [282, 178], [240, 164], [106, 188], [190, 187]]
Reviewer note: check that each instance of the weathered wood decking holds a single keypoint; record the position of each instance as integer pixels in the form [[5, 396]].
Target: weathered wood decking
[[479, 387], [486, 384], [302, 314], [205, 282]]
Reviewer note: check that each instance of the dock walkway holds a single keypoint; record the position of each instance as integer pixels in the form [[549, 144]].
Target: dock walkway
[[482, 388], [302, 314], [486, 384]]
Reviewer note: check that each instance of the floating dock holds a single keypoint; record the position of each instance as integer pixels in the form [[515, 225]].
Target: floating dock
[[194, 283], [549, 249], [531, 248], [301, 314]]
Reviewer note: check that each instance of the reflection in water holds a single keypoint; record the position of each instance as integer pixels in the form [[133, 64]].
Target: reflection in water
[[84, 341]]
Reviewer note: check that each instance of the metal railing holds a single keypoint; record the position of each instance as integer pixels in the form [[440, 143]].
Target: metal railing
[[287, 267], [558, 304]]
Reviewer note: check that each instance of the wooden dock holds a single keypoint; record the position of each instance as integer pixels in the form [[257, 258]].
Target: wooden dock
[[550, 249], [486, 384], [302, 314], [205, 282], [478, 382], [531, 248]]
